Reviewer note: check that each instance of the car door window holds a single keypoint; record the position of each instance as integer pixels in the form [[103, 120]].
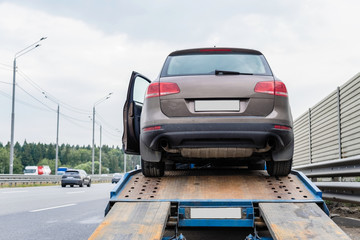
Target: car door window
[[140, 87]]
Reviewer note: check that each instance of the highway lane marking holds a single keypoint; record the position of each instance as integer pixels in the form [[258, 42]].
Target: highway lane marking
[[15, 192], [75, 192], [44, 209]]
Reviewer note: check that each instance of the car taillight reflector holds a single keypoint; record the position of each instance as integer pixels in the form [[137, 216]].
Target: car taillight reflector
[[151, 128], [281, 127], [161, 89], [272, 87]]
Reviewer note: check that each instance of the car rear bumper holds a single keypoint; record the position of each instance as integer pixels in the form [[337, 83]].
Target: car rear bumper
[[71, 181], [240, 135]]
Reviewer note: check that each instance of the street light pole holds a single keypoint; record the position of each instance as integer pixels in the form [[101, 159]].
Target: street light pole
[[124, 162], [57, 141], [12, 122], [93, 141], [93, 133], [17, 55], [100, 151], [57, 131]]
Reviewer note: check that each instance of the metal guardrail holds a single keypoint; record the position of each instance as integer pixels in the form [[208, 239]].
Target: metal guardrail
[[19, 179], [334, 168], [336, 191]]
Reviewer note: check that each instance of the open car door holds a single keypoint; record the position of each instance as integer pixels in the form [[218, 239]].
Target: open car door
[[132, 112]]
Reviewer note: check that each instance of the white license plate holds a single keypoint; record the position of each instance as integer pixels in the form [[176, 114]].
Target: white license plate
[[217, 106], [215, 213]]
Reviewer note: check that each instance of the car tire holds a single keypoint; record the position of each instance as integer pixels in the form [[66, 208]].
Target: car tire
[[152, 169], [81, 184], [63, 185], [279, 168], [89, 184], [71, 185]]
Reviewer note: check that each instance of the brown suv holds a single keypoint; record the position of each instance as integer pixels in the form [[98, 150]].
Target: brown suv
[[218, 106]]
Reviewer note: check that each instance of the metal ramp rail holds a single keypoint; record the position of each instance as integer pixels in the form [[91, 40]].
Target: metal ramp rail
[[299, 221], [134, 220]]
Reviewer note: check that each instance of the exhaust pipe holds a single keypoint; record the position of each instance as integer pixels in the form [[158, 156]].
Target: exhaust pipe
[[165, 145]]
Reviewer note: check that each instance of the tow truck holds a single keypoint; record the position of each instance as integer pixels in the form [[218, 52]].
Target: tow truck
[[204, 198], [288, 207]]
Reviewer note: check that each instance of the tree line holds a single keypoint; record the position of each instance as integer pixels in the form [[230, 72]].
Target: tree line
[[79, 157]]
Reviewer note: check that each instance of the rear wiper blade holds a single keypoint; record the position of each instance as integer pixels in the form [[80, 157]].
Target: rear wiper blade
[[224, 72]]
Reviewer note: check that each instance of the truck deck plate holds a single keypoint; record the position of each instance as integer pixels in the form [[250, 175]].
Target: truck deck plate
[[299, 221], [134, 220], [215, 184]]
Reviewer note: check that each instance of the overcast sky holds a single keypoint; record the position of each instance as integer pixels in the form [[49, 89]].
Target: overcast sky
[[93, 46]]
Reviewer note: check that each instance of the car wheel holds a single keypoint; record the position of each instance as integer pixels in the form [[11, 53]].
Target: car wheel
[[89, 184], [71, 185], [81, 184], [152, 169], [63, 185], [279, 168]]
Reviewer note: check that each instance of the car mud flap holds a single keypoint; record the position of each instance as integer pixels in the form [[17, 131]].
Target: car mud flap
[[149, 155], [285, 154]]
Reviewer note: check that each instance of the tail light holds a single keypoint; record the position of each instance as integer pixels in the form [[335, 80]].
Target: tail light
[[272, 87], [282, 127], [154, 128], [161, 89]]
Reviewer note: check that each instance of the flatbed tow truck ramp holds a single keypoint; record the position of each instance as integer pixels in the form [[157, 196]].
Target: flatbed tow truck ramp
[[277, 208]]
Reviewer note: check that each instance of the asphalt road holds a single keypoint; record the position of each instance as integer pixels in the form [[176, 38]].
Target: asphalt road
[[74, 213], [69, 213], [52, 212]]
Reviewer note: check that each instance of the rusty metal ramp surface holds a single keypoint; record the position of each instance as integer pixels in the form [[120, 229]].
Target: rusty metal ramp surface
[[299, 221], [134, 220], [219, 184]]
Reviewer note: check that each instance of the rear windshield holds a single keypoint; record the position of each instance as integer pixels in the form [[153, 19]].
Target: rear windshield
[[206, 64], [72, 173]]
